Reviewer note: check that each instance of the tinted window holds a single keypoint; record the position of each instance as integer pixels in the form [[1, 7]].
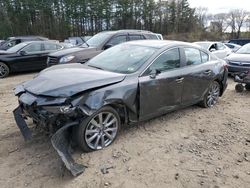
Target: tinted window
[[166, 61], [204, 57], [193, 56], [32, 48], [135, 37], [118, 39]]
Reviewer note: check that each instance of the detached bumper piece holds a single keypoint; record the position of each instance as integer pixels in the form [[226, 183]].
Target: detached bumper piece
[[60, 142], [22, 124]]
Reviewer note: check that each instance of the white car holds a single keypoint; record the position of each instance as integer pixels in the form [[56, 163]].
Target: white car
[[217, 48]]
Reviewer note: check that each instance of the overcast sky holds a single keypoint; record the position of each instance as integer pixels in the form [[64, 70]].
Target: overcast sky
[[219, 6]]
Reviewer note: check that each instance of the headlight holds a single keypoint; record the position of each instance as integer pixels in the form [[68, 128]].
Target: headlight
[[66, 109], [59, 109], [66, 59]]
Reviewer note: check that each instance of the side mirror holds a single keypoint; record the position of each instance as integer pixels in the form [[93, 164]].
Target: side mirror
[[154, 73], [107, 46], [23, 53]]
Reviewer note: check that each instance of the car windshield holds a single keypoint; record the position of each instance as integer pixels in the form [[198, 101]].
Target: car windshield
[[244, 49], [123, 58], [204, 45], [97, 40], [16, 48]]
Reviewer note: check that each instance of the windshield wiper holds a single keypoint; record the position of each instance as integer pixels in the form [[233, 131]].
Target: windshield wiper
[[96, 67]]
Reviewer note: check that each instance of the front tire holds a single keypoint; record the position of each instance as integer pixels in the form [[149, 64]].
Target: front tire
[[99, 130], [212, 95], [4, 70]]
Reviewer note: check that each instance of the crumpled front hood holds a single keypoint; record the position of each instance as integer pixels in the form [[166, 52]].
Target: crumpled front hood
[[239, 57], [70, 79]]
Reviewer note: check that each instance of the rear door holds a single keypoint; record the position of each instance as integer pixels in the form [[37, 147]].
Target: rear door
[[198, 75], [161, 85]]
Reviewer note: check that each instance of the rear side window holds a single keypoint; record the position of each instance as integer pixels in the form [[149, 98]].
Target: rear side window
[[135, 37], [193, 56], [49, 47], [152, 36]]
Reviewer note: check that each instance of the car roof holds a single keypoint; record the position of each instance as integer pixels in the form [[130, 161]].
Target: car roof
[[128, 31], [208, 42], [48, 41], [28, 37], [161, 43]]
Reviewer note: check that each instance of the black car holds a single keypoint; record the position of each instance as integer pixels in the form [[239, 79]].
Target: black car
[[128, 83], [12, 41], [240, 60], [239, 41], [26, 56], [96, 45]]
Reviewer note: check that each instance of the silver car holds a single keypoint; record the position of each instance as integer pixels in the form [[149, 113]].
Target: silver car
[[217, 48]]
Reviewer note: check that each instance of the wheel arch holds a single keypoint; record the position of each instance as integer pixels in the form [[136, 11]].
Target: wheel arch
[[221, 85]]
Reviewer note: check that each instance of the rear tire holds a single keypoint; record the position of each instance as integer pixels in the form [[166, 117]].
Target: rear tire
[[212, 95], [4, 70], [99, 130], [239, 88]]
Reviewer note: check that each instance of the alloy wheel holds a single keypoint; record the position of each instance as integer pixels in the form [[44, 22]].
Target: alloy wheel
[[3, 70], [213, 94], [101, 130]]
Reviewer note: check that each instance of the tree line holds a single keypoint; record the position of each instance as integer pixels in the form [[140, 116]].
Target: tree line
[[59, 19], [62, 18]]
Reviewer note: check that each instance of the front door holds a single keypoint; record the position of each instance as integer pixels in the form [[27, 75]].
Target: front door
[[31, 57], [161, 85]]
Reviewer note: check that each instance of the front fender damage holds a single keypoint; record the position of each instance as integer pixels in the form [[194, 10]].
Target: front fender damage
[[61, 143]]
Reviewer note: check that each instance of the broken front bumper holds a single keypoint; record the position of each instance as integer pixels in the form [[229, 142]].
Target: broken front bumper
[[60, 141]]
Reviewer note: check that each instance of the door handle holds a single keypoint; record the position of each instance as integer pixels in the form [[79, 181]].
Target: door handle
[[179, 80], [207, 72]]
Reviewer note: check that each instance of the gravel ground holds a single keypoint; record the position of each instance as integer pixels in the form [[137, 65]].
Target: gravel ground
[[193, 147]]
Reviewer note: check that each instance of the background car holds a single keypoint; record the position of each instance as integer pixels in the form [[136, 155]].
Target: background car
[[240, 60], [26, 56], [12, 41], [97, 44], [128, 83], [233, 47], [217, 48], [239, 41]]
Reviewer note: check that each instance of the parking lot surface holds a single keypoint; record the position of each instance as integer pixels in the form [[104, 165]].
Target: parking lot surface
[[193, 147]]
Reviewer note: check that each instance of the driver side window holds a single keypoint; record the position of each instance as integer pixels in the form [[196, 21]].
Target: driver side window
[[33, 48], [166, 61]]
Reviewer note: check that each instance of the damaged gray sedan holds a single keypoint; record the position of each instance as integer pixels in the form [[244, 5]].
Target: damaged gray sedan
[[131, 82]]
